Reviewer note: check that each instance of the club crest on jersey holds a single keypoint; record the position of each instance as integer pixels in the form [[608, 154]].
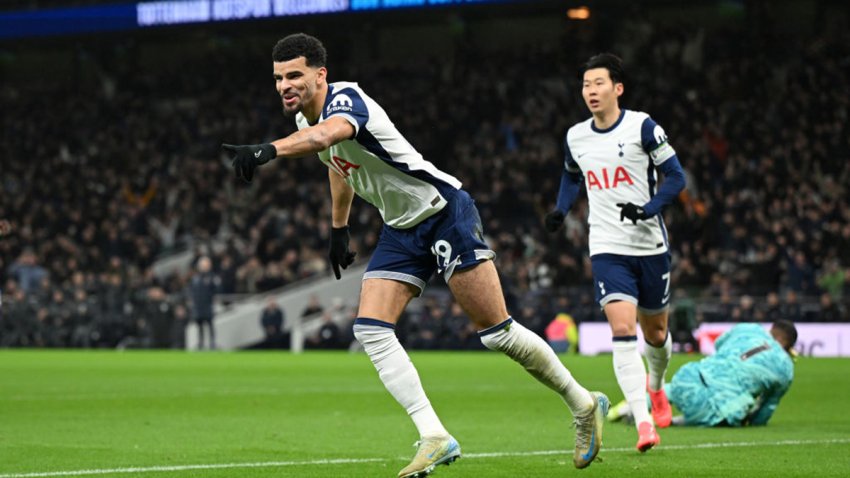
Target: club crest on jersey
[[342, 166], [608, 180], [341, 102], [621, 144]]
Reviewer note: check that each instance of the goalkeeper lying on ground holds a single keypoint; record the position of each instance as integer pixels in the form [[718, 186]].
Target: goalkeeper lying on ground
[[741, 384]]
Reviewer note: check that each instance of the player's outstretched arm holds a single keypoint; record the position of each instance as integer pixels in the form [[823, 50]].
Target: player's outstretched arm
[[310, 140]]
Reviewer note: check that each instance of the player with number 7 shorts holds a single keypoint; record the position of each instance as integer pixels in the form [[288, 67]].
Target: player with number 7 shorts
[[616, 153]]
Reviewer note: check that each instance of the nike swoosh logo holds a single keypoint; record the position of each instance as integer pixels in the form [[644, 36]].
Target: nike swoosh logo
[[257, 154], [586, 456]]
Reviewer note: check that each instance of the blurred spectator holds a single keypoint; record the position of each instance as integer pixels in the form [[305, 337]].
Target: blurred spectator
[[423, 329], [745, 310], [458, 331], [313, 307], [829, 310], [202, 289], [683, 322], [272, 322], [772, 308], [178, 327], [791, 309], [328, 335], [831, 279], [801, 274], [562, 334], [27, 273], [159, 314]]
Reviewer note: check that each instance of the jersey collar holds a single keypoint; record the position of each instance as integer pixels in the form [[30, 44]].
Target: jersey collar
[[327, 101], [610, 128]]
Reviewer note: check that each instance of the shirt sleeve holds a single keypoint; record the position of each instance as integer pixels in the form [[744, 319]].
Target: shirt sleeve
[[570, 181], [654, 141], [766, 405], [570, 164], [349, 104]]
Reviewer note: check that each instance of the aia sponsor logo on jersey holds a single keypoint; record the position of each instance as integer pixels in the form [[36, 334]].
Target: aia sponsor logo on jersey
[[342, 166], [605, 180]]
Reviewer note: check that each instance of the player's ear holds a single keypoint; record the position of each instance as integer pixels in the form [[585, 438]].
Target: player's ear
[[618, 88], [321, 75]]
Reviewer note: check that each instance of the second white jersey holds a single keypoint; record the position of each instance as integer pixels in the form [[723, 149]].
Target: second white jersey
[[618, 165], [379, 163]]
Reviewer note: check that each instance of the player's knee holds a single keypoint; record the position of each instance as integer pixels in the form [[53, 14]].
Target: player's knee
[[656, 336], [623, 330]]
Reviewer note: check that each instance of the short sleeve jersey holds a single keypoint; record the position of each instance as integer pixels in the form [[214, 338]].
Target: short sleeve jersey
[[380, 165], [618, 165]]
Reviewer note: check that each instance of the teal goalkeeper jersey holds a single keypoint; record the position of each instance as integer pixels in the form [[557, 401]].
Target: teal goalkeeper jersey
[[749, 373]]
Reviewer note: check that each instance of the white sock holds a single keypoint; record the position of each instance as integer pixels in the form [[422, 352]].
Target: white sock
[[631, 375], [398, 374], [535, 355], [657, 359]]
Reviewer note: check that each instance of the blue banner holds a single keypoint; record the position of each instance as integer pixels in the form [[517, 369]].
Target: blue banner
[[98, 18]]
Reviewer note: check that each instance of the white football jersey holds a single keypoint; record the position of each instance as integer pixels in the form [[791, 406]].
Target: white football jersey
[[381, 166], [618, 165]]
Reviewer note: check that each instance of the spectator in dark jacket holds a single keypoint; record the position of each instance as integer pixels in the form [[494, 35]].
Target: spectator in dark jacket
[[202, 290], [272, 322]]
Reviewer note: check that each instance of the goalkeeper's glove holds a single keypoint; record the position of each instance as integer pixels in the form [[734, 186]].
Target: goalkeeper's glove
[[632, 211], [553, 220], [247, 157], [339, 254]]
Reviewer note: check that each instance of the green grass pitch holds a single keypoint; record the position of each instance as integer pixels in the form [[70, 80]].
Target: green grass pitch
[[175, 414]]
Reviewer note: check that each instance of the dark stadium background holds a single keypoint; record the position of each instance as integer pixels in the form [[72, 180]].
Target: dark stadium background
[[111, 161]]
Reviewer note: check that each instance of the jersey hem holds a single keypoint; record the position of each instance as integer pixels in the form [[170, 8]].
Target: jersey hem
[[628, 252]]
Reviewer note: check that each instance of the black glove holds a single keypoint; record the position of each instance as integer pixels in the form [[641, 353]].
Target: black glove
[[340, 254], [553, 220], [247, 157], [632, 211]]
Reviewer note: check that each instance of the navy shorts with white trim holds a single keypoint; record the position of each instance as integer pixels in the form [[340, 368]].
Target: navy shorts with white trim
[[641, 280], [448, 241]]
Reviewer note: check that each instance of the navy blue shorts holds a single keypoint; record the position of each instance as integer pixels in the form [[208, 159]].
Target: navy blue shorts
[[641, 280], [450, 240]]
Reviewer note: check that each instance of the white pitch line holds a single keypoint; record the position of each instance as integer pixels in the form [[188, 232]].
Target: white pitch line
[[345, 461], [214, 466], [663, 447]]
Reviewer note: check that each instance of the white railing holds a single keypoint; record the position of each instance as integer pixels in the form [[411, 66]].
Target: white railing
[[238, 325]]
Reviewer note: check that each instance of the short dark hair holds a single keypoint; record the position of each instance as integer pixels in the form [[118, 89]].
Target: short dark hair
[[786, 328], [300, 44], [609, 61]]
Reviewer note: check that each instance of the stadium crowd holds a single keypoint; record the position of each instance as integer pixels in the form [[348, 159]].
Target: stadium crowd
[[107, 171]]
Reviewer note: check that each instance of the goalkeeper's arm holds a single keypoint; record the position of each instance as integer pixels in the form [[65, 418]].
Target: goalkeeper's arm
[[767, 405]]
